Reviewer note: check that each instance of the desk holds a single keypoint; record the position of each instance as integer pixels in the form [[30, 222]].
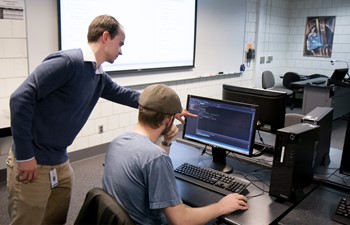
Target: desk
[[323, 95], [317, 208], [319, 82], [302, 77], [263, 209]]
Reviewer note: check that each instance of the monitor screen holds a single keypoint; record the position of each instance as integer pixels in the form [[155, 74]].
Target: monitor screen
[[345, 159], [272, 105], [223, 125]]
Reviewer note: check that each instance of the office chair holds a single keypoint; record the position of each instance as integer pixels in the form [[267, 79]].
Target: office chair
[[268, 82], [292, 118], [101, 208], [288, 79]]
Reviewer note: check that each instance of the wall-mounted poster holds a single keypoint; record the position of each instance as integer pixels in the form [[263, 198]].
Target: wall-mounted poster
[[12, 9], [319, 34]]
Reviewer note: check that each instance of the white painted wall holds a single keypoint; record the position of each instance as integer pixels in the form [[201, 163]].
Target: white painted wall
[[281, 31], [274, 27], [219, 48]]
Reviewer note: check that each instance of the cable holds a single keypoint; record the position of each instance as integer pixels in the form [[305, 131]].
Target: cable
[[260, 152], [204, 149], [260, 180], [248, 63], [343, 178], [255, 174]]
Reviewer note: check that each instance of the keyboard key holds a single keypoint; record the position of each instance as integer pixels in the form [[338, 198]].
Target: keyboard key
[[342, 212]]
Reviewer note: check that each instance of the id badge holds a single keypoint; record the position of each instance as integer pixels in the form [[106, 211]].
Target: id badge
[[53, 178]]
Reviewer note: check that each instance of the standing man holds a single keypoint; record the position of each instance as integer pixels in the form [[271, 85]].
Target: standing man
[[139, 173], [47, 112]]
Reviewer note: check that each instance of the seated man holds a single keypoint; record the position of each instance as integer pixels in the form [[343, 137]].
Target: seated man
[[139, 173]]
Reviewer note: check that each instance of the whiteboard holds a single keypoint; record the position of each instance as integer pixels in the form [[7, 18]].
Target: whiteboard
[[219, 45], [159, 33]]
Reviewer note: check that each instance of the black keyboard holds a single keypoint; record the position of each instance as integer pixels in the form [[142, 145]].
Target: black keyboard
[[342, 212], [211, 179]]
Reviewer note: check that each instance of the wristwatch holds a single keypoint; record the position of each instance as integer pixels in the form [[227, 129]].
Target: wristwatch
[[166, 144]]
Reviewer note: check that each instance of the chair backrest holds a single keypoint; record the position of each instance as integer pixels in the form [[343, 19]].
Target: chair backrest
[[292, 118], [267, 79], [289, 78], [101, 208]]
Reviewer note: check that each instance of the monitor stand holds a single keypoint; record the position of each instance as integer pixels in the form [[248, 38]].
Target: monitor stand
[[218, 162]]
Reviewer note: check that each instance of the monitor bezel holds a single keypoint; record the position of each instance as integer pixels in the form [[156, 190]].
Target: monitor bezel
[[253, 94], [213, 146], [339, 74]]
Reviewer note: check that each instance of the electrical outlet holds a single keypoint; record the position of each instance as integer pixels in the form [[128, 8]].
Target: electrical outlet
[[269, 59], [100, 129], [262, 60]]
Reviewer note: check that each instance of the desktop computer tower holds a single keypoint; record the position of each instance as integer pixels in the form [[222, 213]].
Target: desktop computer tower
[[345, 158], [323, 117], [292, 168]]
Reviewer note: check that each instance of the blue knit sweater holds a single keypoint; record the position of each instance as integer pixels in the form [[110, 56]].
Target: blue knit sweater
[[52, 105]]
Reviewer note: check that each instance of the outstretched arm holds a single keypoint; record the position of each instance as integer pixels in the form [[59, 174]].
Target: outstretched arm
[[184, 113], [180, 214]]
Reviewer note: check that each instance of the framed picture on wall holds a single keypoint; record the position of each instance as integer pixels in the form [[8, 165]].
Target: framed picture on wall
[[319, 32]]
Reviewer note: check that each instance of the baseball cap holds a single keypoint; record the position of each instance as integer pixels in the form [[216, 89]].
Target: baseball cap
[[160, 98]]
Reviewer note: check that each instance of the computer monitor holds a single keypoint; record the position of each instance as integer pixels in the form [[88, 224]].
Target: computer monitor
[[339, 74], [272, 104], [338, 78], [345, 159], [223, 125]]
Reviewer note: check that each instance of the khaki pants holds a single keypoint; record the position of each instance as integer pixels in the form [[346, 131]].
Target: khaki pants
[[37, 203]]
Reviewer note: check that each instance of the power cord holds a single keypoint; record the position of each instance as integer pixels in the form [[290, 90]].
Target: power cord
[[204, 149], [260, 152]]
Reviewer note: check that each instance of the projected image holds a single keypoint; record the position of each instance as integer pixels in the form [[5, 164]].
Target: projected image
[[159, 33]]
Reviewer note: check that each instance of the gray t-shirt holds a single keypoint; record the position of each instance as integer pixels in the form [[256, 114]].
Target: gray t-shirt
[[139, 174]]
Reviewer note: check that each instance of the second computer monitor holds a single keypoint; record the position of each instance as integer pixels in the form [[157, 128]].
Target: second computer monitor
[[339, 74], [272, 104]]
